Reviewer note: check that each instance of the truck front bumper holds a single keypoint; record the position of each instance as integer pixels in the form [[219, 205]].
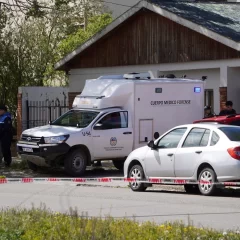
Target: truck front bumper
[[44, 155]]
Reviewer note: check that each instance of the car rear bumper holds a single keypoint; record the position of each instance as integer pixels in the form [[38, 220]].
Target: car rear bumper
[[229, 173], [44, 155]]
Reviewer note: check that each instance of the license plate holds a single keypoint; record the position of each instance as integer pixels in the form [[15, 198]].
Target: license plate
[[27, 149]]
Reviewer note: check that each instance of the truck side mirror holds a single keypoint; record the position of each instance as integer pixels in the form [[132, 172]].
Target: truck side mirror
[[102, 126], [152, 145], [98, 126]]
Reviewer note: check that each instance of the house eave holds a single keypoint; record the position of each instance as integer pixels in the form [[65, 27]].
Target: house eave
[[62, 64]]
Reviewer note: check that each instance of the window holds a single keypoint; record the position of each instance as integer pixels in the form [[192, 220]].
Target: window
[[124, 119], [215, 138], [208, 98], [205, 138], [233, 133], [158, 90], [197, 137], [172, 139], [76, 118], [114, 120]]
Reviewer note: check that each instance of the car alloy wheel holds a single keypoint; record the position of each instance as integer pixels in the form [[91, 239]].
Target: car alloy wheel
[[137, 173], [207, 180]]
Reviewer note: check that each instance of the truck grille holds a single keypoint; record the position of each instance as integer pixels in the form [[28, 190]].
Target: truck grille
[[27, 138]]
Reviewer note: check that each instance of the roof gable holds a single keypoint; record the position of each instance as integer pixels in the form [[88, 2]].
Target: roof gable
[[175, 12]]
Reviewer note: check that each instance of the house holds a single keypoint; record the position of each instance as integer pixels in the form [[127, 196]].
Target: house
[[196, 39]]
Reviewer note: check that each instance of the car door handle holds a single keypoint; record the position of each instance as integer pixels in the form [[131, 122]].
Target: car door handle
[[127, 133], [170, 154], [198, 152]]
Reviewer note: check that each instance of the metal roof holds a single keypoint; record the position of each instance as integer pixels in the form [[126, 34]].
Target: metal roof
[[222, 18]]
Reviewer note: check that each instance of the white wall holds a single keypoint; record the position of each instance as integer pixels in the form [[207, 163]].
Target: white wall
[[43, 93], [78, 76], [233, 87], [40, 97]]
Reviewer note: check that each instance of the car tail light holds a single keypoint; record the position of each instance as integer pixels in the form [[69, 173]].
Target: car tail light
[[234, 152]]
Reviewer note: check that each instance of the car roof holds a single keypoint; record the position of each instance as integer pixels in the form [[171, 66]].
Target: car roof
[[207, 125]]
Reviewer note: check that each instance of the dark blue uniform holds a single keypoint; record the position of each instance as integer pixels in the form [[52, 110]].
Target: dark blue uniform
[[6, 137]]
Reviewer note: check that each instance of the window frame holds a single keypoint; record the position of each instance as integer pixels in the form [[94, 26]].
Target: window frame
[[157, 143], [189, 132], [104, 115], [214, 132]]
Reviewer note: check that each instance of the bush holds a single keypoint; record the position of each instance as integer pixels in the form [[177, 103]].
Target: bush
[[40, 224]]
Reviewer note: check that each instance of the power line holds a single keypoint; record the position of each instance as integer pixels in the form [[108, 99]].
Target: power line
[[123, 5]]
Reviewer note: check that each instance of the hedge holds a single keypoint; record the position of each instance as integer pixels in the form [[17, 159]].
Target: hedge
[[41, 224]]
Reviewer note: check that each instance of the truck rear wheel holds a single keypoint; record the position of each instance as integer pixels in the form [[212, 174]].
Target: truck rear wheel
[[75, 163], [118, 164]]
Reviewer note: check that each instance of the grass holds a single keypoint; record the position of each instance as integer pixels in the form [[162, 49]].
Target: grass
[[41, 224], [19, 165]]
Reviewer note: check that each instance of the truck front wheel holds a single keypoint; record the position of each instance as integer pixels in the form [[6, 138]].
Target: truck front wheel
[[75, 163]]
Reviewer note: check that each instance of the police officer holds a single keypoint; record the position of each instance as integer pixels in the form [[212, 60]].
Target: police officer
[[228, 110], [6, 134], [208, 112]]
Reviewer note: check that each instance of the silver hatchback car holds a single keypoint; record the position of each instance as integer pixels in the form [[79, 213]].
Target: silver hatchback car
[[205, 153]]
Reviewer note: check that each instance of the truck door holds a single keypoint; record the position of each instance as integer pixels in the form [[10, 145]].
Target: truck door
[[112, 136]]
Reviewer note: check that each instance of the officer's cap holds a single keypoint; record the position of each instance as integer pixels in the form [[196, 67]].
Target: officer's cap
[[207, 108], [3, 107]]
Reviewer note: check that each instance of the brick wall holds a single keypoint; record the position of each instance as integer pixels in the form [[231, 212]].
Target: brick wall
[[71, 96], [19, 115], [223, 97]]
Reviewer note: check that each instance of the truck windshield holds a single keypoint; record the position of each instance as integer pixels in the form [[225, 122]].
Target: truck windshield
[[76, 118]]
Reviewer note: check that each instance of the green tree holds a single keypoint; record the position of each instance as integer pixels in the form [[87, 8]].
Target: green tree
[[95, 24], [31, 44]]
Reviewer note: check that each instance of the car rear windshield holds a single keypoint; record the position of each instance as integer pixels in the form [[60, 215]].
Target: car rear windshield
[[233, 133]]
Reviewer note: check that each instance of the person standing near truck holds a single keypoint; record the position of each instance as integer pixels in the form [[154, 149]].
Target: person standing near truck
[[228, 110], [208, 112], [6, 134]]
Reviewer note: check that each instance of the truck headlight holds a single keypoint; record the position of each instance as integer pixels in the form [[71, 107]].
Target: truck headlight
[[57, 139]]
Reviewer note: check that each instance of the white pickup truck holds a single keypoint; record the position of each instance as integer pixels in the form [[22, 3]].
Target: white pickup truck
[[113, 116]]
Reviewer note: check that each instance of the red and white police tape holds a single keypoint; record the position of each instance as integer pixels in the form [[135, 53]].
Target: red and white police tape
[[113, 179]]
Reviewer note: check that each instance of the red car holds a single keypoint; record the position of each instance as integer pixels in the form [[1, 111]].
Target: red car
[[229, 120]]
